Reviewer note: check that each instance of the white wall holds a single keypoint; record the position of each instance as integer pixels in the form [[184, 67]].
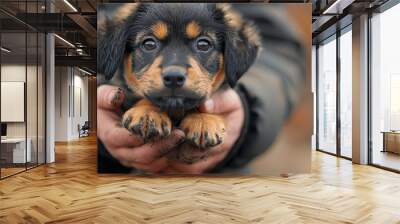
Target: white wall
[[61, 103], [12, 73], [80, 96], [12, 101], [71, 94]]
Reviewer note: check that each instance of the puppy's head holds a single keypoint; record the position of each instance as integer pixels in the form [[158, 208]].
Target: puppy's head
[[176, 55]]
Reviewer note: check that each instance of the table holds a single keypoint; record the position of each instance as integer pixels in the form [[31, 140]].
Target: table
[[16, 147], [391, 141]]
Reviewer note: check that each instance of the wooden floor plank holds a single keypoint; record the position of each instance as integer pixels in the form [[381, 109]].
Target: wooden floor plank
[[71, 191]]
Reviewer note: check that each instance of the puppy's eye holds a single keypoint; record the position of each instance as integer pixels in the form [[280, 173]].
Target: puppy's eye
[[149, 44], [203, 45]]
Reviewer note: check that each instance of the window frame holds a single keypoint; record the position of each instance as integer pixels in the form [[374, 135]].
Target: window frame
[[333, 37]]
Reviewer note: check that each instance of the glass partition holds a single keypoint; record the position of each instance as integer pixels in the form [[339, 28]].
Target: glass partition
[[22, 87], [327, 95], [14, 153], [32, 96]]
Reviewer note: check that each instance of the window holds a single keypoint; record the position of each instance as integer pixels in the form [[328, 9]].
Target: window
[[385, 89], [334, 106], [346, 93], [327, 96]]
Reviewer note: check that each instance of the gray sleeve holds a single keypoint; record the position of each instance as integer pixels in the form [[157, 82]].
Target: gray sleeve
[[270, 89]]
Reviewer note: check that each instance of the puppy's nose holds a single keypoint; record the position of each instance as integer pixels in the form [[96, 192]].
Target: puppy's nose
[[174, 79]]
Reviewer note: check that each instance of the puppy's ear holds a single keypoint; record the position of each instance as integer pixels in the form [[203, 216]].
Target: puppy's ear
[[242, 43], [112, 38]]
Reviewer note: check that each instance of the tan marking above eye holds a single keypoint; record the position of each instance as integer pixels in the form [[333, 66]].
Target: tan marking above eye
[[160, 30], [193, 29]]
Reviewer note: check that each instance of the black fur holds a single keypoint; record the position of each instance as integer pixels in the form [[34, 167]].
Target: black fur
[[112, 44], [239, 56], [111, 48]]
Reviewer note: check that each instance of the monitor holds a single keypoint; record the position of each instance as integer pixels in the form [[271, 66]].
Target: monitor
[[3, 129]]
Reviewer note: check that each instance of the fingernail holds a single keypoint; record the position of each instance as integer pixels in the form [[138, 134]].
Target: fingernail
[[209, 105], [178, 135], [116, 96]]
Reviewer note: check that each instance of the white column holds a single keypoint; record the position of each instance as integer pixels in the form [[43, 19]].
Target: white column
[[314, 95], [360, 90], [50, 99]]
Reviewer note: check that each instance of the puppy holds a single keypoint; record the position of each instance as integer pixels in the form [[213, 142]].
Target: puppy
[[172, 57]]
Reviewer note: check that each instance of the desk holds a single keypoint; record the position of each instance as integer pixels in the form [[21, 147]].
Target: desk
[[391, 141], [15, 148]]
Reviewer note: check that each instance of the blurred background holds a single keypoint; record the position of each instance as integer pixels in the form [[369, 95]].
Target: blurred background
[[291, 152]]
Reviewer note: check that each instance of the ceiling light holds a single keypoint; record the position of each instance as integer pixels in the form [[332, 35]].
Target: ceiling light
[[338, 6], [65, 41], [70, 5], [84, 71], [5, 50]]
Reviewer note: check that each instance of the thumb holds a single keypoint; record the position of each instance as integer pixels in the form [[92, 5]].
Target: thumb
[[109, 97], [221, 102]]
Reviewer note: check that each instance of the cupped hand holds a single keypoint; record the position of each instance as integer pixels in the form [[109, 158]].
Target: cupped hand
[[191, 160], [126, 147]]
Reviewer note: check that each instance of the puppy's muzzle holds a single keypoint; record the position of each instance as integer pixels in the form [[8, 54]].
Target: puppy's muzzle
[[174, 77]]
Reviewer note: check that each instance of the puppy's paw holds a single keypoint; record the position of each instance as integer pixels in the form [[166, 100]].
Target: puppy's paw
[[148, 122], [203, 130]]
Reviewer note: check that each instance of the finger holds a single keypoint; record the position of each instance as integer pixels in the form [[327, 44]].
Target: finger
[[156, 166], [150, 152], [196, 168], [109, 97], [221, 102], [193, 160], [112, 134], [188, 154]]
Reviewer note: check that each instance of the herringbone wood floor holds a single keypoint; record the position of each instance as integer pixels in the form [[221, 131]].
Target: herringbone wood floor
[[70, 191]]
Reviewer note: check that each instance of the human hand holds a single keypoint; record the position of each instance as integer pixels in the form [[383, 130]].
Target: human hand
[[191, 160], [126, 147]]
